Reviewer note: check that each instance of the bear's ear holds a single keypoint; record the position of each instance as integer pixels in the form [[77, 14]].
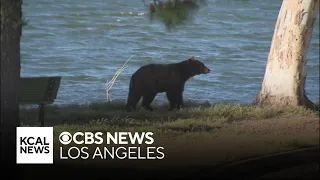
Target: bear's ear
[[191, 58]]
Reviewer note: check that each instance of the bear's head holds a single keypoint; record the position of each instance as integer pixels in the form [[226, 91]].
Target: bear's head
[[196, 67]]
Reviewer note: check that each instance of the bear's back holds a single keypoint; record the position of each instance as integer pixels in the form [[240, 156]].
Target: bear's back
[[154, 69], [158, 76]]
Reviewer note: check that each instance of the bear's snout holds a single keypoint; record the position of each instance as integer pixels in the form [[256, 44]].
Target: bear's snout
[[206, 70]]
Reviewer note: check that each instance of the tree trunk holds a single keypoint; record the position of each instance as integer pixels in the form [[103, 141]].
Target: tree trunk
[[285, 75], [10, 77]]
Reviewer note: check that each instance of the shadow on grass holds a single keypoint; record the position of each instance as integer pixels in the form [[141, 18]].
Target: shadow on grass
[[194, 117]]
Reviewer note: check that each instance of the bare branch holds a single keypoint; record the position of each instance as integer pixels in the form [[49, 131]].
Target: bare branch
[[110, 83]]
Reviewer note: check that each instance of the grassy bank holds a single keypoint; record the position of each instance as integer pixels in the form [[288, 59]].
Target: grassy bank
[[202, 133]]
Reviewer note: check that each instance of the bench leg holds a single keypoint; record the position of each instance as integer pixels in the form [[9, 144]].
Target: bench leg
[[41, 114]]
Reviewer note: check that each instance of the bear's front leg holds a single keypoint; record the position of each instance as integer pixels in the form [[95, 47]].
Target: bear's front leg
[[180, 103], [172, 100]]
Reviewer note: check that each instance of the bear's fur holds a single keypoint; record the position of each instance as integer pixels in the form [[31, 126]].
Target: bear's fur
[[151, 79]]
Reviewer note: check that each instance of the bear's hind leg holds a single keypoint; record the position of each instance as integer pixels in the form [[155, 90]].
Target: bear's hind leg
[[132, 101], [147, 99]]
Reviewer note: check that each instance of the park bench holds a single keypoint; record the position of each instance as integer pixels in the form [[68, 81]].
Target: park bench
[[39, 90]]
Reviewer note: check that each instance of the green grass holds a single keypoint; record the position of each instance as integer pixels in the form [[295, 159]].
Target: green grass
[[211, 133], [114, 114]]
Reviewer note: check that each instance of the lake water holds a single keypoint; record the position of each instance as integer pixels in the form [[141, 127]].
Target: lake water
[[86, 41]]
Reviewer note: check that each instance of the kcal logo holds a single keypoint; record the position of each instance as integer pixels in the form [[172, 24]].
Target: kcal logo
[[34, 145]]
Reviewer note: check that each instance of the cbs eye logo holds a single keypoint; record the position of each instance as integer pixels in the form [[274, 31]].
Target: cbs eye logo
[[65, 138]]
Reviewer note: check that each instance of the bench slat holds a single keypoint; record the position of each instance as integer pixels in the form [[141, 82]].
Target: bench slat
[[35, 90], [53, 87]]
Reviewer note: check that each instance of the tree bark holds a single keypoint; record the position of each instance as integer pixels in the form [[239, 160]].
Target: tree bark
[[10, 77], [285, 75]]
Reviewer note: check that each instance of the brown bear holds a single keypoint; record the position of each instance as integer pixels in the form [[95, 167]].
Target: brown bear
[[151, 79]]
